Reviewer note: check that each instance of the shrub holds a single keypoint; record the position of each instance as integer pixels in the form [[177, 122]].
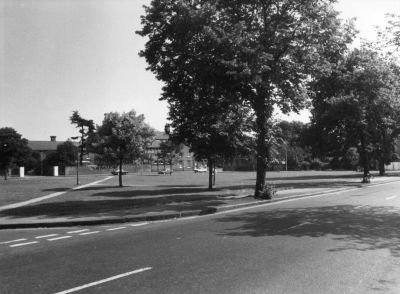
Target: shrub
[[305, 165], [316, 164], [269, 192]]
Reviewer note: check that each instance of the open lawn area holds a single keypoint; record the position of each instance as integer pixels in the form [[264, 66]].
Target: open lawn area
[[149, 193], [21, 189]]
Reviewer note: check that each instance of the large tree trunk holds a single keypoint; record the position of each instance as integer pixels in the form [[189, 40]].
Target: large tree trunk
[[120, 172], [263, 114], [210, 173], [365, 162], [214, 172], [382, 170]]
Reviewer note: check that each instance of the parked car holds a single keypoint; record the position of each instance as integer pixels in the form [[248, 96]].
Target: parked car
[[200, 170], [116, 172], [164, 171]]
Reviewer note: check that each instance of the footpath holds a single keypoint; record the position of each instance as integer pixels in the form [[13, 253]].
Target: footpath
[[47, 211]]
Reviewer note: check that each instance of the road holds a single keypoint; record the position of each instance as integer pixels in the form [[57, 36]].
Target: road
[[340, 243]]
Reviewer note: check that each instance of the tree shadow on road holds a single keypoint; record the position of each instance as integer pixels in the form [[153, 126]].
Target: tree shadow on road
[[365, 228]]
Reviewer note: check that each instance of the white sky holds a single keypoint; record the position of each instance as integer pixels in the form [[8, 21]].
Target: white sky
[[57, 56]]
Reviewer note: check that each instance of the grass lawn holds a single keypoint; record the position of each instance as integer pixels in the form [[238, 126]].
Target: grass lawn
[[21, 189], [152, 192]]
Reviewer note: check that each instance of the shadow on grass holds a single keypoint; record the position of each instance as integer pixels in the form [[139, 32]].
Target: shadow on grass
[[367, 228], [56, 189], [127, 192], [132, 191], [121, 207]]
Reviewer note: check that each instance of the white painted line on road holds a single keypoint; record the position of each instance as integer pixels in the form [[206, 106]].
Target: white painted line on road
[[78, 231], [23, 244], [89, 233], [46, 236], [59, 238], [105, 280], [139, 224], [13, 241], [391, 197], [114, 229]]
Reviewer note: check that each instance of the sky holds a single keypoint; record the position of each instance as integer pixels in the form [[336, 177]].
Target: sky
[[57, 56]]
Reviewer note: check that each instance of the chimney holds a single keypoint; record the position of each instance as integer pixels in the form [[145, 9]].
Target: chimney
[[52, 138]]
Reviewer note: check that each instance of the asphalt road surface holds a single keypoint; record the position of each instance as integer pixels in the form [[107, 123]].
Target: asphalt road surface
[[338, 243]]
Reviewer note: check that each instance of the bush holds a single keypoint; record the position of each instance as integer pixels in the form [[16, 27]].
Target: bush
[[316, 164], [269, 192], [305, 165]]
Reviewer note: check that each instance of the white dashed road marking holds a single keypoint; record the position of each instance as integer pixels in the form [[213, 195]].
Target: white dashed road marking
[[391, 197], [46, 236], [59, 238], [114, 229], [89, 233], [23, 244], [104, 281], [13, 241], [139, 224], [78, 231]]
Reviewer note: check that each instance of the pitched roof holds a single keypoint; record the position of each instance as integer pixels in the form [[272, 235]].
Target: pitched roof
[[43, 145]]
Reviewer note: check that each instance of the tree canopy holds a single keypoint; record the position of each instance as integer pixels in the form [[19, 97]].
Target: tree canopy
[[257, 54], [86, 128], [358, 106], [14, 149], [122, 137]]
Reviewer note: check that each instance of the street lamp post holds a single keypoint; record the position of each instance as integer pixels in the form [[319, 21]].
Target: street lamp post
[[77, 161]]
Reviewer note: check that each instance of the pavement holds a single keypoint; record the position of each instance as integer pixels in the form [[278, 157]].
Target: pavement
[[9, 221]]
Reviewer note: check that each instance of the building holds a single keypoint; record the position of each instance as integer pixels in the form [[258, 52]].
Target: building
[[183, 163]]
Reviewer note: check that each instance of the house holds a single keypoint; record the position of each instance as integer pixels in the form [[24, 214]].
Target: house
[[184, 162], [44, 147]]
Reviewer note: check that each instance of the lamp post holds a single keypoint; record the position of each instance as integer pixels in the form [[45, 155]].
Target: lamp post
[[77, 161]]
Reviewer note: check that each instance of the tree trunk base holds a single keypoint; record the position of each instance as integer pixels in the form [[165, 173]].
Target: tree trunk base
[[366, 179]]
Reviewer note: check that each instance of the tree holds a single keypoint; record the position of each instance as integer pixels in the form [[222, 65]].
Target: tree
[[357, 106], [212, 132], [389, 37], [67, 153], [86, 128], [13, 149], [261, 54], [122, 137], [170, 152], [290, 135]]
